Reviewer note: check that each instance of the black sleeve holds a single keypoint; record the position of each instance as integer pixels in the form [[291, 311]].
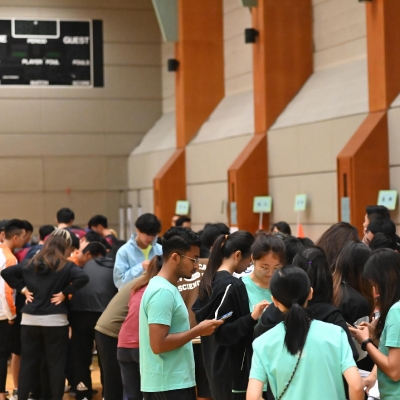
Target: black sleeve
[[13, 277], [336, 318], [77, 278], [271, 317], [354, 307], [238, 326]]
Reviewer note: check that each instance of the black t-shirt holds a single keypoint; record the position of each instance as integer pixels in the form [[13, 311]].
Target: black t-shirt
[[353, 305]]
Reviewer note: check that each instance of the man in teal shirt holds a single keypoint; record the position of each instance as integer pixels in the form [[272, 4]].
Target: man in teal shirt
[[166, 353]]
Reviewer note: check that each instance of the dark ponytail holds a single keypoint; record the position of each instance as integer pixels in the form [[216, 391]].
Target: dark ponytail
[[224, 247], [313, 261], [297, 325], [291, 287]]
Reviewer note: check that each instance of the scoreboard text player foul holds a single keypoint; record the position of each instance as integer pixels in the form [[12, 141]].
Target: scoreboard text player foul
[[55, 52]]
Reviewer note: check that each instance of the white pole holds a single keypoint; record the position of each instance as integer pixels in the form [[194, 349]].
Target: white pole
[[129, 220], [139, 207], [122, 223], [260, 224]]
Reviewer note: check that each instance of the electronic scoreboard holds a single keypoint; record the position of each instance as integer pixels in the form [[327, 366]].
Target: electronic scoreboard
[[54, 52]]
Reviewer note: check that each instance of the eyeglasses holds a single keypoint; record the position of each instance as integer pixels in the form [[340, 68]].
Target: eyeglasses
[[195, 260], [267, 270]]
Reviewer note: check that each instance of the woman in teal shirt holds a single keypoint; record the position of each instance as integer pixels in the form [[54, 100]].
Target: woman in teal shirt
[[383, 271], [301, 358], [247, 298]]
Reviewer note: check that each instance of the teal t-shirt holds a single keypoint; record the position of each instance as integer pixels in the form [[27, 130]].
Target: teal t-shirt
[[390, 337], [326, 355], [256, 293], [163, 304]]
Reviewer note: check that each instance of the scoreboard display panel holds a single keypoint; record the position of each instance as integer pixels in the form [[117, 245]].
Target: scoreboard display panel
[[55, 52]]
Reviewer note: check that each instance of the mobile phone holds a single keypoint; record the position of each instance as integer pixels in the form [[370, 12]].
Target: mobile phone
[[351, 325], [226, 316]]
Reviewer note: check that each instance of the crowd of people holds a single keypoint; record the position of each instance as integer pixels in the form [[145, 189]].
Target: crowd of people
[[206, 315]]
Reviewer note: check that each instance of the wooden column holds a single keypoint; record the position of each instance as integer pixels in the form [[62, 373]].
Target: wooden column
[[199, 87], [282, 62], [200, 78], [282, 57], [366, 177], [363, 167], [169, 185], [248, 178], [383, 44]]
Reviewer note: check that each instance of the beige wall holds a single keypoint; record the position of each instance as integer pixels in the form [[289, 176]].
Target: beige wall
[[54, 140], [206, 174], [142, 169], [339, 32], [168, 78], [238, 55], [307, 137], [158, 144], [302, 160]]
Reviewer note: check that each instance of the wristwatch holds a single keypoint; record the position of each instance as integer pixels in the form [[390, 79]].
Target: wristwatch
[[364, 344]]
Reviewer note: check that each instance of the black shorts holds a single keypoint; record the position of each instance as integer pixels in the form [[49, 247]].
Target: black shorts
[[202, 385], [178, 394]]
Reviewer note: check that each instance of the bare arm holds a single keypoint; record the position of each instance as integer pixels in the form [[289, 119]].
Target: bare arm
[[162, 341], [255, 390], [370, 380], [353, 378], [389, 365]]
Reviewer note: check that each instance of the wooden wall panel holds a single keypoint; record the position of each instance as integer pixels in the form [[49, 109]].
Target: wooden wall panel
[[383, 30], [283, 61], [199, 87], [169, 187], [282, 56], [248, 178], [200, 77], [363, 164], [363, 167]]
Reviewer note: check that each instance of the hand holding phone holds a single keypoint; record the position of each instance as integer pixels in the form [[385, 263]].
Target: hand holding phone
[[351, 325]]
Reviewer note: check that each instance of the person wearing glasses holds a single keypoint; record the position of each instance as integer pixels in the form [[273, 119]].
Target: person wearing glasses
[[247, 298], [165, 348]]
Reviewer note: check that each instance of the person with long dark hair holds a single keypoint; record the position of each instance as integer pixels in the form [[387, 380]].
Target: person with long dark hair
[[333, 240], [229, 254], [301, 358], [383, 271], [46, 282], [352, 294], [313, 261], [247, 298], [128, 338]]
